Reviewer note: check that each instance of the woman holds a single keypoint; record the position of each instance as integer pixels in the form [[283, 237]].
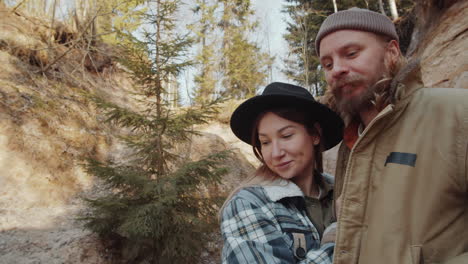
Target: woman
[[280, 213]]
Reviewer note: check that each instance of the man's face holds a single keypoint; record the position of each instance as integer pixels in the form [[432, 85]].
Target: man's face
[[353, 62]]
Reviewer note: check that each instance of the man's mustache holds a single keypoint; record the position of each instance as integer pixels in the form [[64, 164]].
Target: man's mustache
[[351, 79]]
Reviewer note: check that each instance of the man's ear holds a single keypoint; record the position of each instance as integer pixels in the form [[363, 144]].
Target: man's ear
[[392, 52]]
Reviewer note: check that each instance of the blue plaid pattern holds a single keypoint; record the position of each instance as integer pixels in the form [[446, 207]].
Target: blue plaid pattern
[[258, 225]]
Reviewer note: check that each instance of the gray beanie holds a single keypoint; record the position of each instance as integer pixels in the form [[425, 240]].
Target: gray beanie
[[358, 19]]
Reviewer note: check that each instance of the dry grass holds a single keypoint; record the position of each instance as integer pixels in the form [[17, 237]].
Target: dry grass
[[57, 50], [226, 109], [47, 122], [17, 39]]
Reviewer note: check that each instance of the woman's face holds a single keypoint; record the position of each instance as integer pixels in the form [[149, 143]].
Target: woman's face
[[286, 146]]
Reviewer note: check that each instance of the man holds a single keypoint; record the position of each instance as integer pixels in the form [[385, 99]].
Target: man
[[402, 166]]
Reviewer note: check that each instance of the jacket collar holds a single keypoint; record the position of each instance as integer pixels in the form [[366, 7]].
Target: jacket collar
[[281, 189], [407, 81]]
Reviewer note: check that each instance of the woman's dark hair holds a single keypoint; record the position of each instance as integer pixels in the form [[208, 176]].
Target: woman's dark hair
[[296, 115]]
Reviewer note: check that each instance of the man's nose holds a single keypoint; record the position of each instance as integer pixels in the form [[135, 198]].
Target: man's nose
[[340, 69]]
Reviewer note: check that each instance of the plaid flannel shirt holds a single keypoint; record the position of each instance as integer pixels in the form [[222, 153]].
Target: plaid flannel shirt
[[258, 226]]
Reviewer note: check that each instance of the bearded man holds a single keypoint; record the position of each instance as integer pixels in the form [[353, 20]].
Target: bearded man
[[402, 166]]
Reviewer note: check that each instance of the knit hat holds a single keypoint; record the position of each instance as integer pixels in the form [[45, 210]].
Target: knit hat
[[358, 19]]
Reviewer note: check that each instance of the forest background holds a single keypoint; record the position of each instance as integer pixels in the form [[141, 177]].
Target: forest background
[[159, 203], [242, 46]]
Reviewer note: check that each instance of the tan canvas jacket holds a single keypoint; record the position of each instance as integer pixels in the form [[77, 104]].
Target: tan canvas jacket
[[404, 182]]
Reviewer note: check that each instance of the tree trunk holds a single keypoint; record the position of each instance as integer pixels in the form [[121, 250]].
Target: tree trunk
[[305, 49], [51, 35], [393, 9], [158, 90], [382, 10], [335, 7]]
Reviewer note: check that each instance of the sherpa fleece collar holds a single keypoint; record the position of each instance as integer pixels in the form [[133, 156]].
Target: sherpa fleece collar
[[281, 189]]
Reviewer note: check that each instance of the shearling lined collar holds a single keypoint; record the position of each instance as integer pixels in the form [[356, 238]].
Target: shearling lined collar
[[281, 189]]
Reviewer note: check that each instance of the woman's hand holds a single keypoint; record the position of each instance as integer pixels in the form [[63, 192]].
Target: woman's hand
[[329, 235]]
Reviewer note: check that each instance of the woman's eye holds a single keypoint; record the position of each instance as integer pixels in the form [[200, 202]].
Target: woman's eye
[[264, 143], [327, 66], [287, 136]]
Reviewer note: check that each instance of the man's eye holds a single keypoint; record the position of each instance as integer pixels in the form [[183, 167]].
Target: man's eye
[[352, 53]]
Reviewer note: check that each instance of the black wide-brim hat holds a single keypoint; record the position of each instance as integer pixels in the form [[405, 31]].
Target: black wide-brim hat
[[279, 95]]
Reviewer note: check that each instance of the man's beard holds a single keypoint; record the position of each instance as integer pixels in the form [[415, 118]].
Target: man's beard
[[350, 107]]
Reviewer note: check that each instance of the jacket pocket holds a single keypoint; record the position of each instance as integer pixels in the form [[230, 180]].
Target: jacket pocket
[[416, 254]]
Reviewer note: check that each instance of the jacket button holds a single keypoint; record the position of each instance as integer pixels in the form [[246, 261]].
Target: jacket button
[[300, 253]]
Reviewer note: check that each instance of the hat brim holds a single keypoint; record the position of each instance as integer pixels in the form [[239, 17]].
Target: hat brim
[[243, 118]]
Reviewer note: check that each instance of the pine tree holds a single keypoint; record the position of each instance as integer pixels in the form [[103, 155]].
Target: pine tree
[[244, 66], [205, 30], [157, 212], [230, 63], [302, 64], [117, 15]]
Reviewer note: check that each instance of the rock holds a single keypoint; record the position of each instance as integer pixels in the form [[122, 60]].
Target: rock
[[238, 166], [442, 47]]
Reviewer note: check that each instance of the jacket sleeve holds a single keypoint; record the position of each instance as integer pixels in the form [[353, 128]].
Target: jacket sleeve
[[340, 169], [251, 236], [460, 259], [466, 168]]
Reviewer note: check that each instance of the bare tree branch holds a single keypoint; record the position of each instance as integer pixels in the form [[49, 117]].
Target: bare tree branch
[[18, 5], [80, 36]]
